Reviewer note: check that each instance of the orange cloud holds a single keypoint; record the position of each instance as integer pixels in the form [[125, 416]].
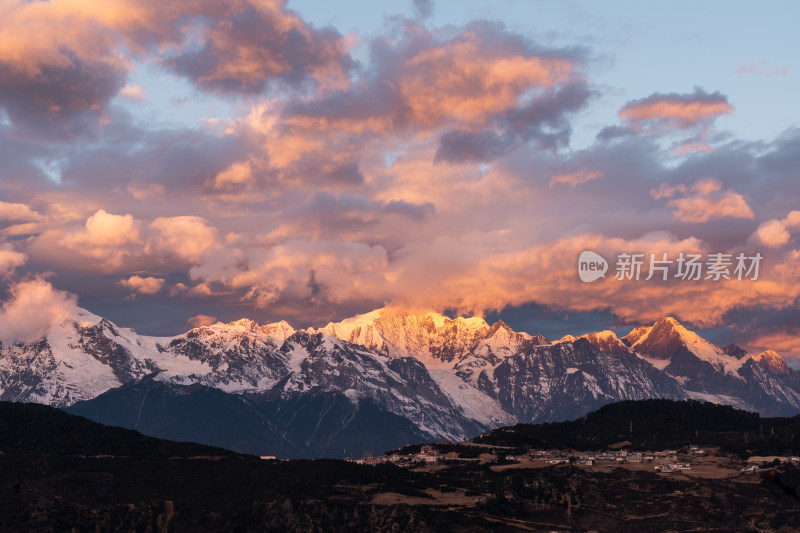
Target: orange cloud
[[106, 236], [134, 93], [62, 61], [10, 212], [10, 260], [775, 233], [189, 238], [676, 111], [33, 307], [575, 178], [476, 272], [198, 321], [483, 92], [703, 201], [242, 182], [787, 344], [772, 233], [457, 80], [140, 285]]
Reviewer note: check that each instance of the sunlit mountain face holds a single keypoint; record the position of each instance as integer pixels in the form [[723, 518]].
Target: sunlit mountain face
[[570, 171], [377, 380]]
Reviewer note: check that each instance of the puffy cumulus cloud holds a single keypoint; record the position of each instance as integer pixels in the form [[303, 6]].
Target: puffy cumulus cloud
[[300, 269], [792, 220], [483, 90], [542, 121], [58, 67], [352, 216], [198, 321], [33, 306], [188, 238], [660, 111], [122, 242], [11, 212], [140, 285], [61, 62], [250, 44], [106, 236], [241, 182], [772, 233], [703, 201], [775, 233], [475, 272], [482, 72], [405, 184], [546, 273], [10, 260]]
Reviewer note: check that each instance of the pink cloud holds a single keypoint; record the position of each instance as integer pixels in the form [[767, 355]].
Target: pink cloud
[[61, 62], [198, 321], [34, 305], [189, 238], [775, 233], [10, 212], [675, 111], [575, 178], [134, 93], [772, 233], [10, 260], [106, 236], [140, 285], [703, 201]]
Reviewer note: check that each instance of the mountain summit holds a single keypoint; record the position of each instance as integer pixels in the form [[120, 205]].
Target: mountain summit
[[419, 375]]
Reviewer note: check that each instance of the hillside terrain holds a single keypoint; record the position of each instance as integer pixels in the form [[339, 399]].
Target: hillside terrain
[[61, 472]]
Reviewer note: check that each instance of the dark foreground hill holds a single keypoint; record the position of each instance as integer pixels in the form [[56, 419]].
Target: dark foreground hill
[[60, 472], [659, 425]]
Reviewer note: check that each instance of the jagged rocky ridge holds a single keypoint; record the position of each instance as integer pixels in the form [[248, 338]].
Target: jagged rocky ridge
[[379, 379]]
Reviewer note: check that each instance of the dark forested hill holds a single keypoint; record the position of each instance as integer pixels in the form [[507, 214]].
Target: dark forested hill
[[60, 472], [658, 425]]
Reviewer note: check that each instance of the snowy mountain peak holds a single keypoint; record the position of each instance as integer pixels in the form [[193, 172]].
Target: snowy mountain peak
[[604, 335], [606, 342], [671, 324], [772, 361], [664, 337], [667, 339], [636, 335], [429, 336], [279, 331], [243, 323]]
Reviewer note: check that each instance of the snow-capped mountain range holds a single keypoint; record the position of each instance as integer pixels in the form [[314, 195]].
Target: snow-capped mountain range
[[435, 377]]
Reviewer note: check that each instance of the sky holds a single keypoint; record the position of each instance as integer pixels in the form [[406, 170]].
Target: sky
[[170, 166]]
